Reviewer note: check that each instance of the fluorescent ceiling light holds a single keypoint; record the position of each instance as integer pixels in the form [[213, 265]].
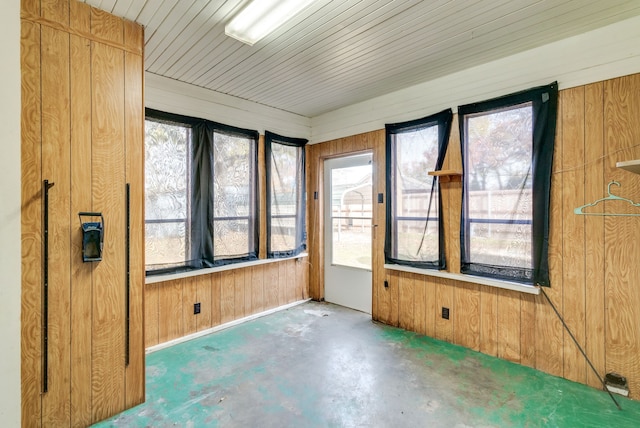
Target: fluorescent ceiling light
[[261, 17]]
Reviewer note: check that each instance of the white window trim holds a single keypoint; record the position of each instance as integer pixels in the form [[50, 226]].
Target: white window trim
[[506, 285], [153, 279]]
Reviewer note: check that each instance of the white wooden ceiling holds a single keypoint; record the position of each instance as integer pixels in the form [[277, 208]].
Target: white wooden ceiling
[[339, 52]]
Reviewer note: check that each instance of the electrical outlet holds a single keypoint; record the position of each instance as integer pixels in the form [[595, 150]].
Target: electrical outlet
[[445, 313], [196, 308]]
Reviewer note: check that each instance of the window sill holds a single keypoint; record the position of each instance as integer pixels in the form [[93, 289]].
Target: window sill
[[171, 276], [506, 285]]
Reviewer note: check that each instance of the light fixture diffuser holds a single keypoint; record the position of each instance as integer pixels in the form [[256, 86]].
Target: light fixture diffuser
[[261, 17]]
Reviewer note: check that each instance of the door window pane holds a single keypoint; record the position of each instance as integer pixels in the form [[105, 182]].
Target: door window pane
[[351, 204]]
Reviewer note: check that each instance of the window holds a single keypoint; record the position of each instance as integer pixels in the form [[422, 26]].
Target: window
[[414, 229], [285, 168], [200, 193], [507, 151], [234, 196], [167, 193]]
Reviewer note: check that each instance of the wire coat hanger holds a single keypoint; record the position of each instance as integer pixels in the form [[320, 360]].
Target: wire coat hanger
[[611, 197]]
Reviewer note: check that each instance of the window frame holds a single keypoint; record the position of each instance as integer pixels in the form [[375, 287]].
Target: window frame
[[544, 101], [201, 214], [443, 121], [271, 138]]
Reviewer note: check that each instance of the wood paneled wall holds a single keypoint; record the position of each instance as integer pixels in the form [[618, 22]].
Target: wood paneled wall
[[82, 129], [595, 274], [223, 296]]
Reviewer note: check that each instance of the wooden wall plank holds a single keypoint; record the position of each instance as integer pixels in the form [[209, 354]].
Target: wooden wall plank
[[444, 299], [31, 7], [56, 163], [216, 295], [31, 222], [489, 321], [527, 330], [466, 315], [594, 236], [108, 185], [453, 191], [248, 291], [430, 306], [573, 231], [227, 296], [134, 137], [419, 308], [189, 298], [55, 10], [271, 278], [107, 26], [80, 17], [170, 319], [283, 292], [204, 297], [257, 289], [318, 230], [383, 313], [508, 325], [293, 283], [303, 277], [393, 280], [239, 297], [376, 142], [313, 224], [81, 200], [133, 35], [151, 314], [300, 267], [406, 298]]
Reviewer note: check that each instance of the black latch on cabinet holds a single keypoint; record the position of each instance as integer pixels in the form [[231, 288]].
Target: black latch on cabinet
[[92, 237]]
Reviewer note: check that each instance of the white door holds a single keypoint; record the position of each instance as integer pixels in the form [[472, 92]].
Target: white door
[[347, 218]]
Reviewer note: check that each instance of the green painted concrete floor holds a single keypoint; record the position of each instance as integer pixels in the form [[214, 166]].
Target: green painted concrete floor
[[321, 365]]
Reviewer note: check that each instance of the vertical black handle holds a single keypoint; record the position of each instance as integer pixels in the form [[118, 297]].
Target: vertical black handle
[[128, 276], [45, 285]]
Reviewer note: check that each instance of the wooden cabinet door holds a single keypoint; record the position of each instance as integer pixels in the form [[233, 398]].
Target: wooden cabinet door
[[82, 126]]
